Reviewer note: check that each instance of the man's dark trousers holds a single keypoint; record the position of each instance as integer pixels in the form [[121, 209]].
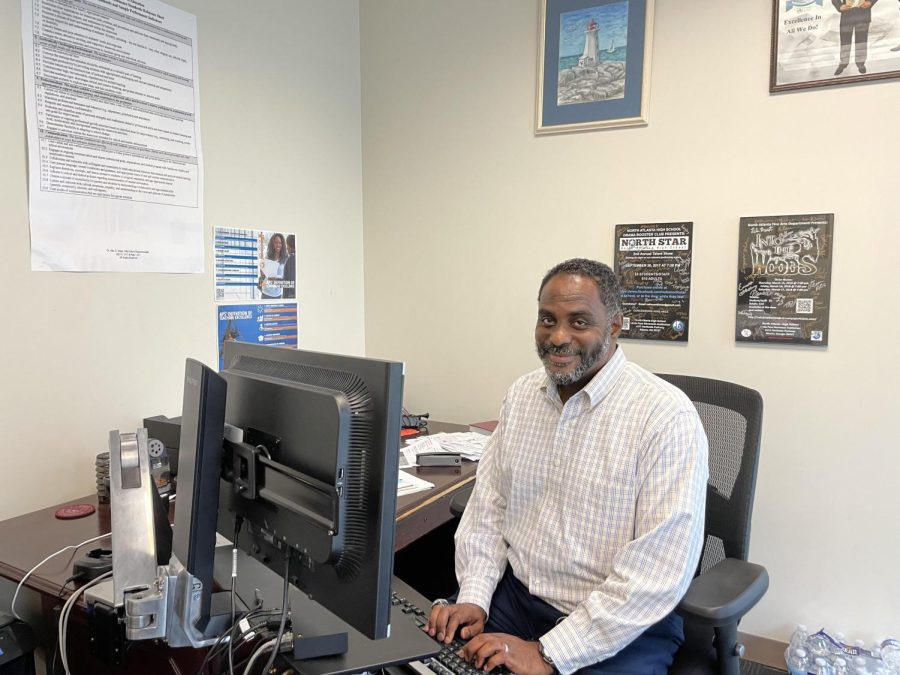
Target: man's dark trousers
[[855, 20], [515, 611]]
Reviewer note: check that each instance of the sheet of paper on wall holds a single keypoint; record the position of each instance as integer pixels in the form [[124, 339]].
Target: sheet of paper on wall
[[408, 484], [115, 169]]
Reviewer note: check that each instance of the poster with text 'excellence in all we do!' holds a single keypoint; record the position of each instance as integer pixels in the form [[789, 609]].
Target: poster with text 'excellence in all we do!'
[[784, 279]]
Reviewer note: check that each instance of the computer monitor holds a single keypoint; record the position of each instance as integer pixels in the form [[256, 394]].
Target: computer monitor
[[194, 535], [316, 473], [195, 614]]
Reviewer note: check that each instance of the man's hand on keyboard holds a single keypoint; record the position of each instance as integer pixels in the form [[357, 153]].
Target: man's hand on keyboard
[[489, 650], [446, 619]]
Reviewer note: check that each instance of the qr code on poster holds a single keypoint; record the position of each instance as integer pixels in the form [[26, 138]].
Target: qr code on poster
[[804, 305], [626, 323], [220, 293]]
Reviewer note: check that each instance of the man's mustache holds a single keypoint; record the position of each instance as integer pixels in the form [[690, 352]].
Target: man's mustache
[[559, 350]]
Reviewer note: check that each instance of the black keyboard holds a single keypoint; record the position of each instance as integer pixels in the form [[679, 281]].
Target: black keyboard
[[417, 614], [446, 662]]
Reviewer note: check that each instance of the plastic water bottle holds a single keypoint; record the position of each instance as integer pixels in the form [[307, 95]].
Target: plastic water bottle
[[798, 663], [822, 667], [890, 654], [799, 637], [819, 644], [860, 667], [836, 648]]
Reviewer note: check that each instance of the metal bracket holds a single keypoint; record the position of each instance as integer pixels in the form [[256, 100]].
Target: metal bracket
[[244, 463]]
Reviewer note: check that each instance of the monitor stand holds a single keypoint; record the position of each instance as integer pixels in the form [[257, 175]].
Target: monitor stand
[[407, 642]]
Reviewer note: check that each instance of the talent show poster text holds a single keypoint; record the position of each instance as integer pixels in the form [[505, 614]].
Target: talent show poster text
[[784, 279], [653, 263]]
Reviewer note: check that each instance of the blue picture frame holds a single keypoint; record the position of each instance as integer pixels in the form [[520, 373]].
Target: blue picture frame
[[593, 64]]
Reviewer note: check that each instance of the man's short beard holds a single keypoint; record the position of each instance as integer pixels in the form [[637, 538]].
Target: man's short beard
[[588, 359]]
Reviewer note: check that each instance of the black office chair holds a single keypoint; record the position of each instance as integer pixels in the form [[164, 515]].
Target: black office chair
[[726, 586]]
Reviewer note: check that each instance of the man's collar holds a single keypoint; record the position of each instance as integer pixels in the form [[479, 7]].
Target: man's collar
[[599, 385]]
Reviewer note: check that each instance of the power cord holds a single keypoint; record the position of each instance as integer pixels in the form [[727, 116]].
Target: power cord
[[284, 609], [238, 522], [64, 618], [12, 605], [238, 631], [62, 589], [266, 646]]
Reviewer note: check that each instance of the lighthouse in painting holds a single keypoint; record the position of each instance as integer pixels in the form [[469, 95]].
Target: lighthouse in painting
[[591, 55]]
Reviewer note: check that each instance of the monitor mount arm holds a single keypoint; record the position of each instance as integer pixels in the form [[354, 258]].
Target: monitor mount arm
[[151, 601], [255, 476]]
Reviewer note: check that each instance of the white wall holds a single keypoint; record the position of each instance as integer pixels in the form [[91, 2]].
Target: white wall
[[465, 209], [81, 354]]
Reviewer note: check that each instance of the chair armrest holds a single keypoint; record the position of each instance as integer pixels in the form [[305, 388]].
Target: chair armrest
[[724, 593], [459, 500]]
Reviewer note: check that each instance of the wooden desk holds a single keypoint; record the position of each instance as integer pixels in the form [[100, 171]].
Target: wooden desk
[[420, 513], [26, 540]]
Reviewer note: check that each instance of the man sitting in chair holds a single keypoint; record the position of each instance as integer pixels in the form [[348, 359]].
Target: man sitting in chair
[[586, 522]]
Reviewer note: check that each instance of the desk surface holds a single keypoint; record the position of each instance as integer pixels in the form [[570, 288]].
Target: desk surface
[[27, 539], [421, 512]]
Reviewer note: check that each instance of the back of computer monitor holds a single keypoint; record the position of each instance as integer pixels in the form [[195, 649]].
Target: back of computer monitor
[[334, 422]]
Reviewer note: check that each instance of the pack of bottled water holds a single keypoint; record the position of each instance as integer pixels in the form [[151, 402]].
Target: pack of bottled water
[[822, 653]]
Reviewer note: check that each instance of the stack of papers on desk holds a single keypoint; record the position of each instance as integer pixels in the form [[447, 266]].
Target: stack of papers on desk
[[407, 484], [467, 444]]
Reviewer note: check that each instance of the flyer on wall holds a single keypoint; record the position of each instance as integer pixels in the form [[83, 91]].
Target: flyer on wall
[[263, 323], [112, 109], [653, 263], [784, 279], [254, 265]]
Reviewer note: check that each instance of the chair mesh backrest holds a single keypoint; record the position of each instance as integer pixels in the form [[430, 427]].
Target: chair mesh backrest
[[732, 418]]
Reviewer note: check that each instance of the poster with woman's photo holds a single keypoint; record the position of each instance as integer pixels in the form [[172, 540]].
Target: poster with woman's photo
[[653, 263], [254, 265], [784, 279]]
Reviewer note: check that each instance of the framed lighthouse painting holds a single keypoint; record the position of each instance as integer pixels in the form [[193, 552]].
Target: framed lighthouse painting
[[593, 64]]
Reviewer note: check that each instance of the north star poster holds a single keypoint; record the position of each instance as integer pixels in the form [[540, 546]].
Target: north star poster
[[653, 263]]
